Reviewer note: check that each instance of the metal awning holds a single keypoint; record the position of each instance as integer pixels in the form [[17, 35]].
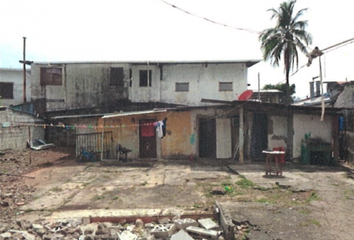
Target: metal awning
[[112, 115]]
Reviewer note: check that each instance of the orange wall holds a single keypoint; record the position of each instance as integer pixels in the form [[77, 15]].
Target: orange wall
[[176, 144]]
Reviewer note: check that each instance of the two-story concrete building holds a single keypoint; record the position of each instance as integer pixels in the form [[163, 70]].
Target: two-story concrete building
[[11, 86], [79, 85]]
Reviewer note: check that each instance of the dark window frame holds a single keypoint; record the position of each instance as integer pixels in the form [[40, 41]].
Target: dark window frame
[[6, 90], [51, 76], [145, 78], [116, 76], [182, 87]]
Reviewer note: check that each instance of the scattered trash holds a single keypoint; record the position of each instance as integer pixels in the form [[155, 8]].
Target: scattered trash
[[39, 144]]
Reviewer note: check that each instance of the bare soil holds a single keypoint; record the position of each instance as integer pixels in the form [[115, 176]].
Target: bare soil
[[307, 202]]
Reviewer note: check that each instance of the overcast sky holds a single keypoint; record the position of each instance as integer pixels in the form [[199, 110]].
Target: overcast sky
[[123, 30]]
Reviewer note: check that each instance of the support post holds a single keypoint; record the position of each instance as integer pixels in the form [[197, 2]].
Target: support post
[[24, 70], [240, 136]]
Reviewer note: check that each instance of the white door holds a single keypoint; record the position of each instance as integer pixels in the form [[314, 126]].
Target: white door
[[223, 138]]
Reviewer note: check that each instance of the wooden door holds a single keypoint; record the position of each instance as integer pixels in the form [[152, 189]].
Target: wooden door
[[259, 139], [223, 138], [147, 139], [207, 138]]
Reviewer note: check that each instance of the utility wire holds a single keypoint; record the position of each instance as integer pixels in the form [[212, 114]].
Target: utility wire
[[336, 46], [212, 21], [328, 49]]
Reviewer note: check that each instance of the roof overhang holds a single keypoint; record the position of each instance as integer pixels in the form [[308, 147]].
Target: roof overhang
[[124, 114], [248, 62]]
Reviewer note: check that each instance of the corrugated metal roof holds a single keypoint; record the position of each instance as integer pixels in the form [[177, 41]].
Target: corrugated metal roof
[[79, 116], [249, 62], [112, 115]]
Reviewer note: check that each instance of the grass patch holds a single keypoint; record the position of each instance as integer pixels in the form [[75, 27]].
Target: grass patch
[[265, 200], [245, 183], [313, 197], [305, 211], [56, 189], [97, 198], [310, 222]]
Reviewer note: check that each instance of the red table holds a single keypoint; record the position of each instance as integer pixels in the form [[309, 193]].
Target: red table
[[276, 156]]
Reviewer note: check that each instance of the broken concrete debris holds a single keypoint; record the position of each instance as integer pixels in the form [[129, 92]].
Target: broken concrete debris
[[203, 233], [181, 235], [183, 223], [179, 229], [208, 224]]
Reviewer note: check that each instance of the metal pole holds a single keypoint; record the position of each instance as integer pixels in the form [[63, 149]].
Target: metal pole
[[241, 157], [259, 87], [322, 97], [24, 70]]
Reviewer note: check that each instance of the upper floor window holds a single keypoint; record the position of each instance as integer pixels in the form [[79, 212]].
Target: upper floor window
[[182, 87], [51, 76], [6, 90], [117, 76], [145, 78], [225, 86]]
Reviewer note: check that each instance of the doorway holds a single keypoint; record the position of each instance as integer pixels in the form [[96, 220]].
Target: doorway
[[207, 137], [259, 140], [147, 139]]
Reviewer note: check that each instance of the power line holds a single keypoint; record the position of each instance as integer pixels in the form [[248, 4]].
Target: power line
[[209, 20], [328, 49]]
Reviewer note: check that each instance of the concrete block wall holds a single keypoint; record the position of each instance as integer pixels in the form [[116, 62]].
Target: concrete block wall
[[17, 128]]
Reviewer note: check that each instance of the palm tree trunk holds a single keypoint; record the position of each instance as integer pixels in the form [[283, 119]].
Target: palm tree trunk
[[290, 120]]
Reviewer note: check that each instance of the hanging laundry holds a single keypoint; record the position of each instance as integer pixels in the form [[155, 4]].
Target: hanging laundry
[[160, 127], [164, 126]]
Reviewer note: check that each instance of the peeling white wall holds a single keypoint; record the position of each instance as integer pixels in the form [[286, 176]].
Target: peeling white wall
[[15, 76], [306, 123], [84, 85], [277, 136], [203, 82]]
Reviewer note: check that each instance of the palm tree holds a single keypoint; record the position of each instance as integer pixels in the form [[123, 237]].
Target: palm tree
[[284, 39]]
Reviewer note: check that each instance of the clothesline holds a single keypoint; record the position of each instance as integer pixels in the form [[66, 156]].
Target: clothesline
[[68, 126]]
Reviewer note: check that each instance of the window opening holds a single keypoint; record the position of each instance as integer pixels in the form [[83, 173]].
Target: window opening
[[225, 86], [145, 78], [182, 87], [117, 76], [51, 76], [6, 90]]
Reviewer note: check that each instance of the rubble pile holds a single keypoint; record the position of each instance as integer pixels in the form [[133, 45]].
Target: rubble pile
[[12, 197], [178, 229], [14, 165]]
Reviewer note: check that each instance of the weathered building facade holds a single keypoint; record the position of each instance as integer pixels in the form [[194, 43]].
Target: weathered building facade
[[345, 101], [68, 86], [12, 85], [19, 128]]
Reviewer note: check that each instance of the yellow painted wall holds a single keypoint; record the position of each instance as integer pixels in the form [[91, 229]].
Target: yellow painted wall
[[176, 144]]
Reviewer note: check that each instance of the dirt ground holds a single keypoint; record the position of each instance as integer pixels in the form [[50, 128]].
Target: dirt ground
[[307, 202]]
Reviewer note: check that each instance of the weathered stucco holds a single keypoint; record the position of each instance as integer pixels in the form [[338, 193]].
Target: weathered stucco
[[15, 76], [277, 131], [17, 128], [346, 98], [203, 82], [307, 123], [83, 86], [176, 143], [181, 140]]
